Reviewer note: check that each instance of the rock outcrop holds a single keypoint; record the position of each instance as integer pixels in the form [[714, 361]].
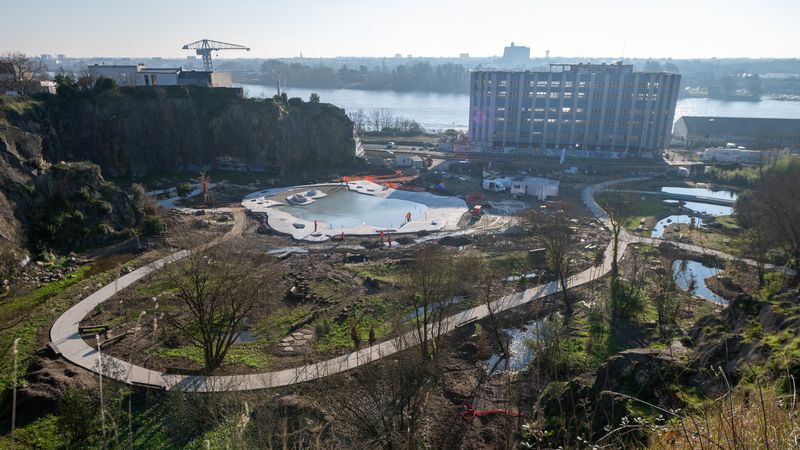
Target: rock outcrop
[[133, 132], [64, 206], [590, 404]]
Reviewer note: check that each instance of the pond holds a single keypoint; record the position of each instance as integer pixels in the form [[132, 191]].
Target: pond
[[708, 208], [700, 192], [346, 209], [519, 347], [667, 222], [687, 272]]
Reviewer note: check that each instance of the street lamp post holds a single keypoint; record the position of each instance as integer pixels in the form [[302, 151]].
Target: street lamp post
[[130, 371], [14, 395], [100, 372]]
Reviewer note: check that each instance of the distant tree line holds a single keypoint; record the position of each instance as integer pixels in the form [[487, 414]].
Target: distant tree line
[[729, 79], [384, 122], [417, 76], [734, 174]]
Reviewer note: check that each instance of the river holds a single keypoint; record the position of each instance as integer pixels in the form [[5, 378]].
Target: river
[[436, 111]]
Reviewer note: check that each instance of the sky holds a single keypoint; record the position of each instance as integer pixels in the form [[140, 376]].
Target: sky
[[326, 28]]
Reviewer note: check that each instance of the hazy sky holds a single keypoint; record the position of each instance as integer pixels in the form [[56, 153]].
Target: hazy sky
[[612, 28]]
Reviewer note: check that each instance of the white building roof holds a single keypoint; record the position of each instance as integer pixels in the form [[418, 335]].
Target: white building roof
[[537, 180]]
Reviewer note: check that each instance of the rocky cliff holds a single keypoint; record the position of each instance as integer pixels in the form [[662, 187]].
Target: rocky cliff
[[64, 206], [132, 132]]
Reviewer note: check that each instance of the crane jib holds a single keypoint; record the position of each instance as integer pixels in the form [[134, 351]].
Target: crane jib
[[204, 47]]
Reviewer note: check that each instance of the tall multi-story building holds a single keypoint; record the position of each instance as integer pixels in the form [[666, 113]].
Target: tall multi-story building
[[591, 109]]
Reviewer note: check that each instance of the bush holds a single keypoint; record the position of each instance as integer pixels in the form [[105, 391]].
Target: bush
[[104, 84], [66, 86], [735, 175], [627, 301], [184, 189], [10, 258], [76, 420], [154, 226]]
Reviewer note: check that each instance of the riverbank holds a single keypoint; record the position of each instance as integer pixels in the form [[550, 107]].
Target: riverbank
[[436, 111]]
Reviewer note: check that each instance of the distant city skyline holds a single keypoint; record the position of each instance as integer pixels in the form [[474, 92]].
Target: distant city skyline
[[678, 29]]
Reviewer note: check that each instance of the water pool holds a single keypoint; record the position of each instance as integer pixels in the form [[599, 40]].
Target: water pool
[[347, 209], [708, 208], [670, 221], [688, 272], [700, 192]]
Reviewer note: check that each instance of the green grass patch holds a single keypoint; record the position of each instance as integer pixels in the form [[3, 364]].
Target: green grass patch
[[514, 263], [381, 272], [691, 395], [637, 208], [156, 287], [250, 354], [17, 105], [46, 291], [336, 335], [328, 289], [29, 315], [42, 433], [728, 222], [279, 323], [31, 312]]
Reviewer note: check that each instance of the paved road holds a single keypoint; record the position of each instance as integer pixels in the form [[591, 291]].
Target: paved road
[[64, 333]]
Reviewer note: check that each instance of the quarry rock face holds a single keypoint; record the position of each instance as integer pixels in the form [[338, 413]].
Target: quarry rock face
[[63, 205], [132, 132], [52, 152]]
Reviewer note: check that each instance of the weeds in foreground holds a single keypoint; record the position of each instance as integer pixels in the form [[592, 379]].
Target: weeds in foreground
[[756, 415]]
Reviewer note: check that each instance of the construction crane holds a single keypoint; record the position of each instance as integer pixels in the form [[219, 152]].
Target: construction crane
[[204, 48]]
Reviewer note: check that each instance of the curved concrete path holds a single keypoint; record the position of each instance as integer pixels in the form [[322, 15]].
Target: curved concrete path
[[64, 333]]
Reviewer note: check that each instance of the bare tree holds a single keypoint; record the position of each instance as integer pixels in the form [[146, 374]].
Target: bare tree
[[628, 292], [489, 286], [755, 243], [774, 206], [25, 70], [551, 231], [434, 279], [374, 120], [665, 297], [276, 69], [359, 119], [618, 206], [382, 405], [215, 292], [379, 119]]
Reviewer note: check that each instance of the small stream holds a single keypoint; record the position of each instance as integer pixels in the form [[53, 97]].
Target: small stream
[[521, 352]]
